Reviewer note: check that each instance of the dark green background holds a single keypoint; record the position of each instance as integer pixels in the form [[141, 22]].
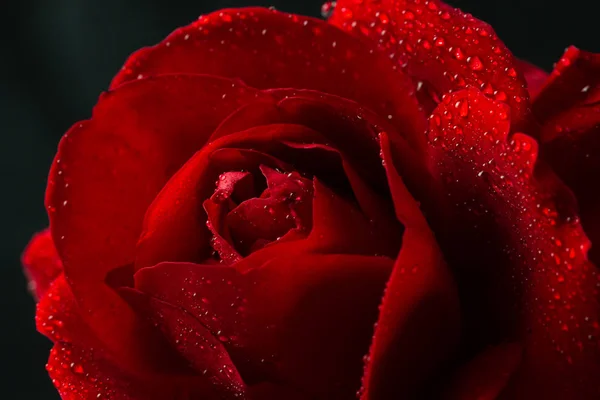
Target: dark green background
[[56, 56]]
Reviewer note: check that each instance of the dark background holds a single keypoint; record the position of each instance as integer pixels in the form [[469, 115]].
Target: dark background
[[56, 56]]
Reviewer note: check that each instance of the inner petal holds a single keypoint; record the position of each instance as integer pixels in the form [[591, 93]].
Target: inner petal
[[286, 205]]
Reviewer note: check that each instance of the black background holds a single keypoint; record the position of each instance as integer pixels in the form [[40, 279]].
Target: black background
[[57, 56]]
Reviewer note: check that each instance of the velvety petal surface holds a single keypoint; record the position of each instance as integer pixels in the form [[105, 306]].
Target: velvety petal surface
[[418, 324], [522, 247], [534, 76], [106, 173], [441, 45], [278, 50], [569, 106], [576, 76], [312, 136], [41, 262], [486, 375], [312, 338], [77, 374], [58, 316]]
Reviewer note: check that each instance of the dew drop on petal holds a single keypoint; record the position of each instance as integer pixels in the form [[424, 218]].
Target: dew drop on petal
[[327, 9]]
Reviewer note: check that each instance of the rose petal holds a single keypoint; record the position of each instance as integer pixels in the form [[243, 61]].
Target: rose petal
[[441, 45], [218, 205], [485, 376], [279, 50], [313, 334], [418, 323], [218, 376], [571, 146], [374, 206], [576, 75], [254, 114], [41, 262], [521, 245], [79, 374], [59, 318], [171, 229], [286, 205], [570, 138], [339, 227], [535, 77], [96, 181]]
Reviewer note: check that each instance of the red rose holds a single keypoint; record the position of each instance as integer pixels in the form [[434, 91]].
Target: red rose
[[259, 208]]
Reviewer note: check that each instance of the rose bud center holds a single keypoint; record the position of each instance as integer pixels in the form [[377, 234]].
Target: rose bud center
[[250, 211]]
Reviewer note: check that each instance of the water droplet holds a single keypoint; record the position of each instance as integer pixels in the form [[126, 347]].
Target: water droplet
[[327, 9], [463, 108], [475, 63], [458, 54], [77, 368]]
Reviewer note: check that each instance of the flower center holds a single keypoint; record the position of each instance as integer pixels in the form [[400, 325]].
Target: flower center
[[243, 221]]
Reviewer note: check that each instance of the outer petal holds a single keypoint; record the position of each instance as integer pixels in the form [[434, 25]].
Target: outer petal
[[576, 76], [571, 145], [441, 45], [314, 334], [277, 50], [79, 374], [521, 247], [485, 376], [535, 77], [570, 139], [418, 324], [59, 318], [41, 262], [217, 377], [106, 173]]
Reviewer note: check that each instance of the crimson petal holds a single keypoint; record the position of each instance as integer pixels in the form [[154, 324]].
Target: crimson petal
[[340, 227], [78, 373], [576, 75], [441, 45], [571, 146], [41, 262], [279, 50], [59, 318], [217, 377], [171, 230], [522, 243], [313, 334], [485, 376], [535, 77], [96, 181], [418, 323], [570, 139]]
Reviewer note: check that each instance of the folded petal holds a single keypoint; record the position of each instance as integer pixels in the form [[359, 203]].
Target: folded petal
[[418, 323], [41, 262], [485, 376], [59, 318], [440, 45], [312, 337], [571, 146], [521, 260], [217, 376], [78, 373], [106, 173], [535, 77], [272, 49], [575, 77]]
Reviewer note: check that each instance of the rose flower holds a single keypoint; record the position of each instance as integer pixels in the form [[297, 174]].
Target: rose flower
[[386, 205]]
